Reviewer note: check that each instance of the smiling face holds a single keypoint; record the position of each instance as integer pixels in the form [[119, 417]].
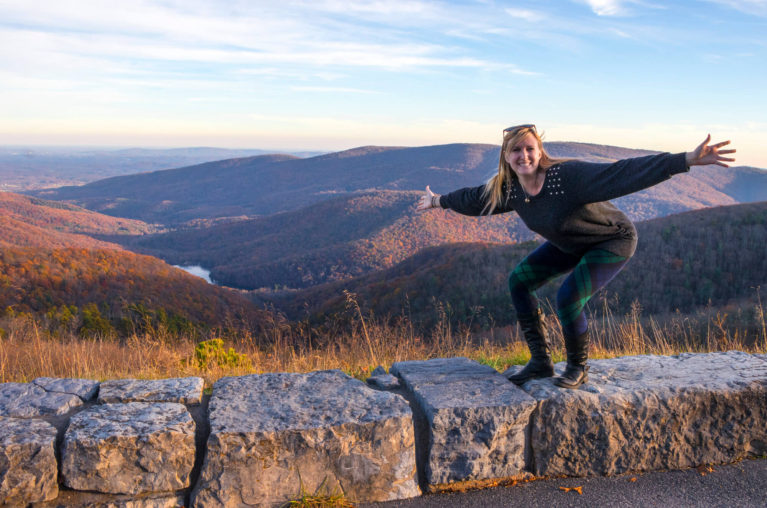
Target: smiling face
[[524, 156]]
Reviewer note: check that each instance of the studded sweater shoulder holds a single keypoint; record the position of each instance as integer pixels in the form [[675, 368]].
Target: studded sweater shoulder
[[571, 210]]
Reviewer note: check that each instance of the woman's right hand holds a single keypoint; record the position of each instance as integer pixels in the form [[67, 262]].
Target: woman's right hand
[[427, 200]]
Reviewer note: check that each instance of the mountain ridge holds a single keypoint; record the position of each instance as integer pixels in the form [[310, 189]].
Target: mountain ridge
[[263, 185]]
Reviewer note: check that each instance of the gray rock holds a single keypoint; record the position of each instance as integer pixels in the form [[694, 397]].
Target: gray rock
[[378, 371], [477, 419], [27, 400], [185, 390], [649, 413], [166, 501], [79, 499], [383, 381], [512, 370], [86, 389], [130, 448], [272, 434], [153, 501], [28, 466]]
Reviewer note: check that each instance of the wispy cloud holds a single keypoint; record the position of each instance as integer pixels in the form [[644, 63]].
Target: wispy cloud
[[332, 89], [143, 31], [525, 14], [753, 7], [370, 7], [607, 7], [620, 33], [624, 7]]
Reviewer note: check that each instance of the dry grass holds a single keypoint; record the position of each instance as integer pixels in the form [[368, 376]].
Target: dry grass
[[27, 351]]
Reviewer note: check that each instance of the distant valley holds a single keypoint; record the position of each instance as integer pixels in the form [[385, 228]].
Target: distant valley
[[334, 239]]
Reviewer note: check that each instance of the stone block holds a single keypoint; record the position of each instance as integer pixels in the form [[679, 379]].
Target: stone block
[[650, 413], [383, 381], [27, 400], [185, 390], [86, 389], [378, 371], [477, 419], [130, 448], [166, 501], [150, 501], [28, 468], [272, 434]]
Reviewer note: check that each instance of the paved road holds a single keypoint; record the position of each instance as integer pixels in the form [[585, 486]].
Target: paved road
[[743, 484]]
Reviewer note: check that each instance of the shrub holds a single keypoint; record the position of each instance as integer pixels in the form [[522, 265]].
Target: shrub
[[93, 323], [211, 352]]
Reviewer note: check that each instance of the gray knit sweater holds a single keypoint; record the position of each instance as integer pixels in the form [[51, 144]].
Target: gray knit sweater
[[571, 211]]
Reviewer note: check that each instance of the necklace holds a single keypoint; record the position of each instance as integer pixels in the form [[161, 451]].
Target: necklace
[[527, 196]]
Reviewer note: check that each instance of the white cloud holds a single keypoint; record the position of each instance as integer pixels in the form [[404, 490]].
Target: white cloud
[[374, 7], [525, 14], [332, 89], [622, 7], [752, 7], [606, 7], [256, 33], [620, 33]]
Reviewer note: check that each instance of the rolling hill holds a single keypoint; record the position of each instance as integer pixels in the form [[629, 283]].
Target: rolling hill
[[32, 222], [264, 185], [334, 239], [49, 265]]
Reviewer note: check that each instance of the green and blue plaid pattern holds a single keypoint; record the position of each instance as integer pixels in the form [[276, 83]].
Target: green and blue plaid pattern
[[590, 273]]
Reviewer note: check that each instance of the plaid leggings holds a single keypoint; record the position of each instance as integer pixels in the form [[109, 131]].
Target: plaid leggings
[[590, 273]]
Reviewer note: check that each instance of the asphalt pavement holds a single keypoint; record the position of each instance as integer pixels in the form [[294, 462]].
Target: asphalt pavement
[[743, 484]]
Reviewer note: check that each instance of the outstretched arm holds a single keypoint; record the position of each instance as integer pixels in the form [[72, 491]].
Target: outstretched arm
[[709, 154], [592, 182], [428, 201], [467, 201]]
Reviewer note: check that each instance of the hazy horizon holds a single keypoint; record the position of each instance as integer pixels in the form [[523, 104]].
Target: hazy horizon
[[82, 149]]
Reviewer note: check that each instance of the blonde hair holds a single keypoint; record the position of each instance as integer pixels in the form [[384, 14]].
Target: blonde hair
[[494, 187]]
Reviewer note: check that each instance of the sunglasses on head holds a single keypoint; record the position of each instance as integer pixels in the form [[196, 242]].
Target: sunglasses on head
[[518, 127]]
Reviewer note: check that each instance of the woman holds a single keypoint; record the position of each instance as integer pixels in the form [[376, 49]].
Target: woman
[[566, 202]]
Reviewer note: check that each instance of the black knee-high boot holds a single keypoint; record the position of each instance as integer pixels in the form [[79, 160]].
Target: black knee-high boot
[[540, 364], [577, 372]]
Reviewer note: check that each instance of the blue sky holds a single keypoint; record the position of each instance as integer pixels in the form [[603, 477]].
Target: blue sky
[[330, 75]]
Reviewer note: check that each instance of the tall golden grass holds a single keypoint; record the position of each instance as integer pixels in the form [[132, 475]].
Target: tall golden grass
[[28, 350]]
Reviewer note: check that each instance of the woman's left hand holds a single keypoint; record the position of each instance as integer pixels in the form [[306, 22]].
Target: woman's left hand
[[709, 154]]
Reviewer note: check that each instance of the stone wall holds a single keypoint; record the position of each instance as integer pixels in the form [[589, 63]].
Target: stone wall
[[434, 425]]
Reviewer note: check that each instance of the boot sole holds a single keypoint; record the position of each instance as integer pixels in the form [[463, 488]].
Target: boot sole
[[564, 384], [520, 382]]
